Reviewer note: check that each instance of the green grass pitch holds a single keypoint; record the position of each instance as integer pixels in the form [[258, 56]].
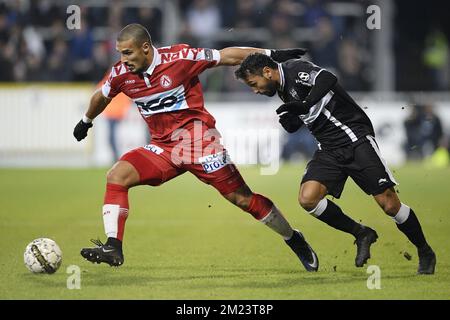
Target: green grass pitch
[[183, 241]]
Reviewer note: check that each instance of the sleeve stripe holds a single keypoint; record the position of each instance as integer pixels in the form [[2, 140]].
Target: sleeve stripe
[[216, 55], [106, 88], [317, 74]]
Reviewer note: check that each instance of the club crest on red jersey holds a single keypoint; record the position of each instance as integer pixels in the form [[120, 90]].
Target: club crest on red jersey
[[165, 81]]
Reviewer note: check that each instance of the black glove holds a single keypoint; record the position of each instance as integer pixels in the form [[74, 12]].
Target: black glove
[[81, 129], [283, 55], [290, 122], [295, 107]]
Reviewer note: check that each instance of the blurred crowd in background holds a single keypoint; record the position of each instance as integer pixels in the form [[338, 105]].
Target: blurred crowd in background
[[35, 44], [335, 40]]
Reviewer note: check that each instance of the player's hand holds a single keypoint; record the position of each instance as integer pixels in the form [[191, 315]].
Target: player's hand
[[295, 107], [290, 122], [283, 55], [81, 129]]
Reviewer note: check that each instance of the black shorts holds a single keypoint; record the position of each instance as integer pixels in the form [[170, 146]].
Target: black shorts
[[362, 162]]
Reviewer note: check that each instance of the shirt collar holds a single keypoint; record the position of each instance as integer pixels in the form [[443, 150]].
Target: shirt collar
[[156, 61], [280, 70]]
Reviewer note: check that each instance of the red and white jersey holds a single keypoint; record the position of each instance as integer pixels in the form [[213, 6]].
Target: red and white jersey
[[168, 94]]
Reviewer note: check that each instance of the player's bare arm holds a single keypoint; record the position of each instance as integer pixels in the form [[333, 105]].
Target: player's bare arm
[[233, 56], [97, 104]]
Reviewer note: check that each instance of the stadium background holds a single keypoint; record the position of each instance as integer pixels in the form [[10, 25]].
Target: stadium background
[[400, 74]]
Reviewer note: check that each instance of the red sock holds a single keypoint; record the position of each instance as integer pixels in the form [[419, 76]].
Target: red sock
[[115, 210], [259, 206]]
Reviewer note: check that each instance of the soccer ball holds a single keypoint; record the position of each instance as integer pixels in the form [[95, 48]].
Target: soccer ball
[[42, 255]]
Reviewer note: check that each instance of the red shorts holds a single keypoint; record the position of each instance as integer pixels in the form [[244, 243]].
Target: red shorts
[[158, 163]]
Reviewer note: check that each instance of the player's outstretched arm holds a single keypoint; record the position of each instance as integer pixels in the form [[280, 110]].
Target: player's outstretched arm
[[233, 56], [97, 104]]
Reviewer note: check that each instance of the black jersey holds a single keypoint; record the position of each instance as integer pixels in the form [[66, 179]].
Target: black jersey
[[336, 120]]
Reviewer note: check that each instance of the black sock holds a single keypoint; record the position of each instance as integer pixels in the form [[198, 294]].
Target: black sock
[[334, 217], [412, 229], [114, 242]]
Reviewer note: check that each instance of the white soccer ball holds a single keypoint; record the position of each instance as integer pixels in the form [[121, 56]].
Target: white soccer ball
[[42, 255]]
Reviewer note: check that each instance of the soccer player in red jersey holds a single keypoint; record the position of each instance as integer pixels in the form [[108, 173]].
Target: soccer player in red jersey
[[164, 85]]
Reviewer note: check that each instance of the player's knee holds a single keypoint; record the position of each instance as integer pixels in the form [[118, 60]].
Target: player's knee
[[311, 192], [114, 176], [240, 200], [308, 201], [391, 207], [243, 202], [241, 197], [389, 202], [122, 173]]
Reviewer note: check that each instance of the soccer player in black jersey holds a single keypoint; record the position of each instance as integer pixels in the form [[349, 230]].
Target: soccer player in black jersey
[[313, 97]]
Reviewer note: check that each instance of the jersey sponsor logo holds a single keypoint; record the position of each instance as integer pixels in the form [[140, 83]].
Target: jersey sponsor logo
[[154, 149], [155, 105], [186, 53], [303, 76], [214, 162], [307, 84], [165, 81], [167, 101], [130, 81]]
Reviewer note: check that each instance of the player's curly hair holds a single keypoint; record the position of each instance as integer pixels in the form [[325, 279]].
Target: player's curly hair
[[254, 64]]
